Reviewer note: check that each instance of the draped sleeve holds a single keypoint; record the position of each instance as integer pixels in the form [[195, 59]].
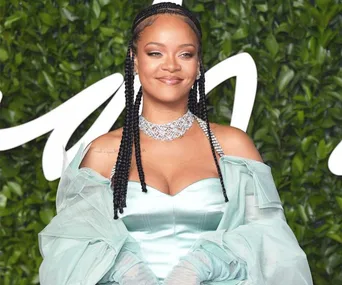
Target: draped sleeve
[[82, 242], [253, 244]]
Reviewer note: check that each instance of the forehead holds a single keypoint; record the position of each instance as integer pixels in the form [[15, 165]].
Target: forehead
[[168, 28]]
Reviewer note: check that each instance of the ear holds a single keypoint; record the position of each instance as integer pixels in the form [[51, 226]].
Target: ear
[[135, 62], [198, 69], [136, 66]]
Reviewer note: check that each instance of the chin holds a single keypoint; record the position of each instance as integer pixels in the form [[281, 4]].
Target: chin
[[171, 98], [167, 94]]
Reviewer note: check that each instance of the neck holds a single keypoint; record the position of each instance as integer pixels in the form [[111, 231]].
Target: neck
[[163, 113]]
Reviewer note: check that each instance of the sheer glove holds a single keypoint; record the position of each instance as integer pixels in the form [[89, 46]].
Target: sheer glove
[[184, 273], [129, 269], [200, 266]]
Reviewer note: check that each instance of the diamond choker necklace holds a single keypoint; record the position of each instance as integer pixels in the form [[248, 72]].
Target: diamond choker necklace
[[168, 131]]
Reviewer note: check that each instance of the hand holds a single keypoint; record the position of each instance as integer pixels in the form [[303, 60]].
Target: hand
[[139, 274], [129, 269], [184, 273]]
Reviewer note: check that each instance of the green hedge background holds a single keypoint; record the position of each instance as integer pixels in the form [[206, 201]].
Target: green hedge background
[[52, 49]]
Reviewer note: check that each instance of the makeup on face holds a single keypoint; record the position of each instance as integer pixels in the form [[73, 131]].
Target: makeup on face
[[167, 58]]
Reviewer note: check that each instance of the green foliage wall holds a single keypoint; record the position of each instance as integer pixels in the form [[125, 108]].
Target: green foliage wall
[[52, 49]]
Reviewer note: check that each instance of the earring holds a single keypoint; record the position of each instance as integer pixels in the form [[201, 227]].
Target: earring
[[135, 73], [198, 75]]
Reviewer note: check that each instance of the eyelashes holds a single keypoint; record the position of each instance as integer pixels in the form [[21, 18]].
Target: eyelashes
[[187, 54], [154, 54], [159, 54]]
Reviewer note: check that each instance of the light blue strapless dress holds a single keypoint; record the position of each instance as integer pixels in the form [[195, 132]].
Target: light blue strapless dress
[[167, 226], [247, 238]]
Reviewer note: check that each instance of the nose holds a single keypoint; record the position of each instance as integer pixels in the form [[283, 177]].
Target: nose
[[170, 64]]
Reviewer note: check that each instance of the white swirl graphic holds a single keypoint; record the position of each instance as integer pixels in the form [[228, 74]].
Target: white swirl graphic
[[64, 119]]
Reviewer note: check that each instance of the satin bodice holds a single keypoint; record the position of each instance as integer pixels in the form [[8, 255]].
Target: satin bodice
[[166, 226]]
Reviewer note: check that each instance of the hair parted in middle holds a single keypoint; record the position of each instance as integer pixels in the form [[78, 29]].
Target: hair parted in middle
[[131, 131]]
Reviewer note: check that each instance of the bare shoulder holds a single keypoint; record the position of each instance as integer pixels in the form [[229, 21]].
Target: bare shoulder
[[103, 152], [235, 142]]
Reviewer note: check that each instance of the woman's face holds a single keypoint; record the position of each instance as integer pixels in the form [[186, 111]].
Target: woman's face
[[167, 59]]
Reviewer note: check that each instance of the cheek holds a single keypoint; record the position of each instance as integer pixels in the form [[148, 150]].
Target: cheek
[[147, 70], [190, 67], [191, 71]]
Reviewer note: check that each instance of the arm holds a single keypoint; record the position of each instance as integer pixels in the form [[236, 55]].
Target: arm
[[83, 244], [129, 269], [253, 242]]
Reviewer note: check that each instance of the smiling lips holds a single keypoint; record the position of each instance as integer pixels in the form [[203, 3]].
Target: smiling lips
[[170, 80]]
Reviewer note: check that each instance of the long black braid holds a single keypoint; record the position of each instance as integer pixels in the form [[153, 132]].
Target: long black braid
[[204, 116], [123, 162], [131, 131], [137, 140]]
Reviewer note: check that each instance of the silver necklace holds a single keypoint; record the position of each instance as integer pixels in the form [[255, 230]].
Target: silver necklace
[[168, 131]]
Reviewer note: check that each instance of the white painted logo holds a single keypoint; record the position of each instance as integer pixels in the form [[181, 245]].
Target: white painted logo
[[65, 119], [335, 160]]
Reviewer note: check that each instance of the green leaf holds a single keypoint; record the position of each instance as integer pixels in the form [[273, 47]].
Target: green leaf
[[104, 2], [14, 257], [336, 237], [306, 143], [262, 7], [283, 27], [272, 45], [339, 201], [108, 32], [47, 19], [70, 66], [48, 79], [285, 76], [302, 213], [198, 8], [118, 40], [96, 8], [15, 187], [3, 200], [321, 151], [94, 23], [18, 58], [300, 117], [297, 165], [46, 215], [240, 33], [11, 19], [308, 92], [261, 133], [227, 46], [69, 15], [337, 80], [3, 55], [321, 54]]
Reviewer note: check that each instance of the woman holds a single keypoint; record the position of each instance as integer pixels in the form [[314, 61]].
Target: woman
[[210, 212]]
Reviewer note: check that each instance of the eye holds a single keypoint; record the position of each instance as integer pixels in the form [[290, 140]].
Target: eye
[[187, 55], [154, 53]]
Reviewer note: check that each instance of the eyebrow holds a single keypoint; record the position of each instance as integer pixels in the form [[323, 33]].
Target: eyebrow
[[160, 44]]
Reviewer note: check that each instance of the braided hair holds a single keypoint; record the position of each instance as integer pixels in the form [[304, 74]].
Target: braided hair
[[131, 131]]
